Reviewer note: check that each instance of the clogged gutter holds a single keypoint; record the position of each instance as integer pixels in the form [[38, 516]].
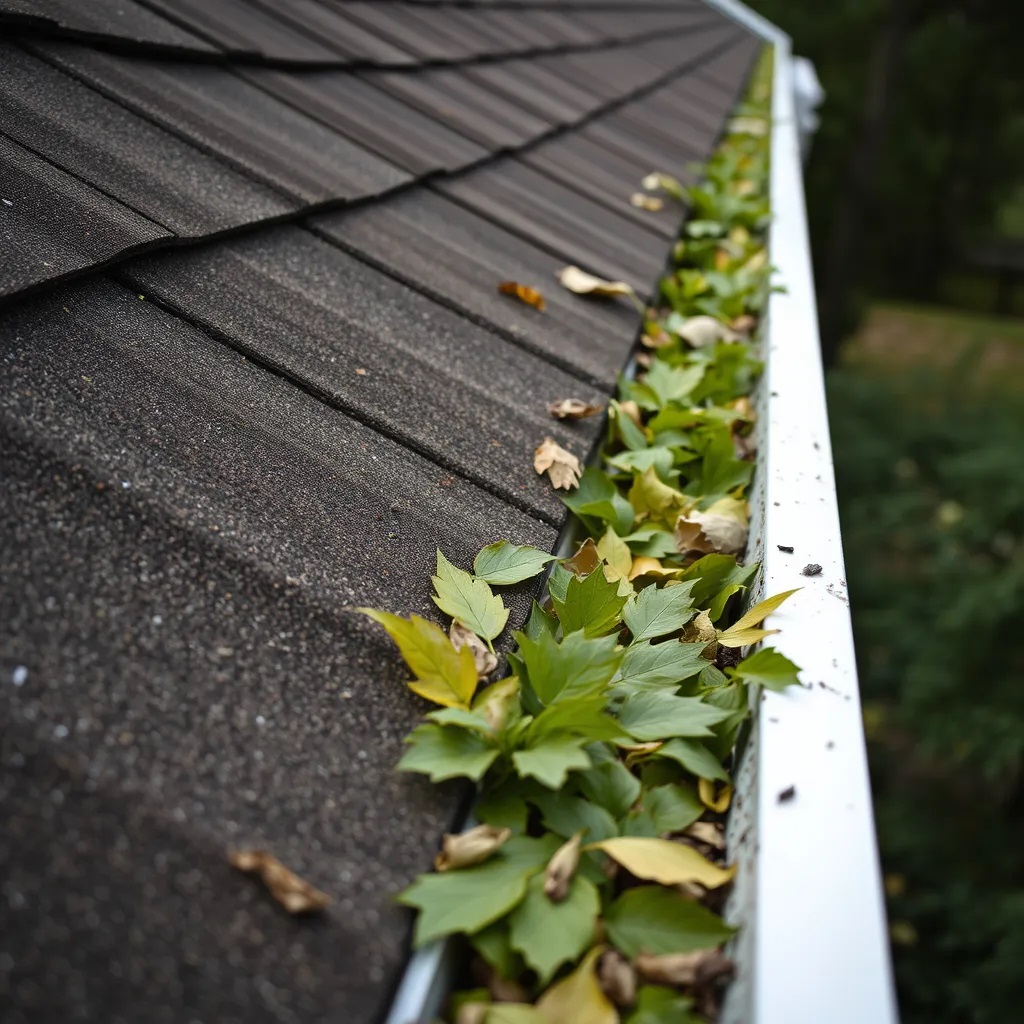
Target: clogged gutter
[[591, 888]]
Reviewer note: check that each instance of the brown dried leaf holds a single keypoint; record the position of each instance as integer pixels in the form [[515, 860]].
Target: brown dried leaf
[[579, 282], [294, 894], [586, 559], [702, 630], [699, 331], [744, 324], [642, 201], [562, 467], [573, 409], [698, 968], [617, 978], [707, 832], [722, 527], [523, 293], [561, 868], [483, 659], [471, 847]]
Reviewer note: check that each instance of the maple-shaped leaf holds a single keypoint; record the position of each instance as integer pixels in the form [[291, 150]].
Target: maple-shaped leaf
[[524, 293], [443, 674], [469, 600], [562, 467], [502, 563]]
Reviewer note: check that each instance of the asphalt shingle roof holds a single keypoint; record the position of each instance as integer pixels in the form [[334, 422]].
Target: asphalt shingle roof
[[255, 369]]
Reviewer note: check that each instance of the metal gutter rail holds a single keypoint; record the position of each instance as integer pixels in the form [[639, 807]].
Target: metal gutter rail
[[813, 946]]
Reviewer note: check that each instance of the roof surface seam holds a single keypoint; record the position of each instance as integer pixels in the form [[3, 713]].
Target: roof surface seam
[[302, 208], [227, 58], [333, 402]]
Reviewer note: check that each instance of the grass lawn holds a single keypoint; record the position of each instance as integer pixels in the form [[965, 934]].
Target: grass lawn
[[974, 353]]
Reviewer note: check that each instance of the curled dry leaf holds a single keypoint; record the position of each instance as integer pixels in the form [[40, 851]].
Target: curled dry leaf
[[707, 832], [471, 847], [523, 293], [573, 409], [472, 1013], [483, 659], [561, 868], [723, 527], [744, 324], [698, 968], [617, 978], [632, 410], [642, 201], [702, 631], [644, 565], [716, 800], [294, 894], [698, 331], [579, 282], [655, 336], [562, 467]]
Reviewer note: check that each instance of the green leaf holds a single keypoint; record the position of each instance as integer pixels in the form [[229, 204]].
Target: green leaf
[[548, 934], [566, 815], [609, 783], [672, 808], [502, 563], [550, 760], [650, 496], [652, 541], [583, 716], [666, 664], [721, 472], [539, 621], [470, 601], [656, 1004], [472, 720], [443, 675], [659, 714], [655, 611], [504, 805], [591, 604], [672, 384], [695, 758], [576, 666], [772, 670], [654, 920], [598, 503], [470, 899], [494, 945], [631, 435], [716, 578], [447, 752], [661, 459]]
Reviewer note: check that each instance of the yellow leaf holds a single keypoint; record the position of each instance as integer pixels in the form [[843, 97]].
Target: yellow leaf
[[741, 632], [579, 282], [563, 468], [718, 803], [657, 500], [293, 893], [615, 551], [573, 409], [523, 293], [443, 674], [644, 565], [661, 860], [578, 999]]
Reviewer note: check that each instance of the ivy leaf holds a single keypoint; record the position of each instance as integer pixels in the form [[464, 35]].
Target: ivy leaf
[[502, 563], [659, 714], [578, 999], [470, 601], [447, 752], [672, 808], [598, 503], [658, 1004], [561, 671], [664, 861], [695, 758], [591, 604], [772, 670], [742, 632], [548, 934], [654, 611], [649, 919], [666, 664], [470, 899], [610, 784], [551, 758], [443, 674], [566, 815]]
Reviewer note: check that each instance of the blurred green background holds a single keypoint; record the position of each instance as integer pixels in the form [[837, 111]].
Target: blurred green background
[[916, 202]]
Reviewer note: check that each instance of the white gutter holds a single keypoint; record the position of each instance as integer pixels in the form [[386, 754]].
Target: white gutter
[[814, 947]]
